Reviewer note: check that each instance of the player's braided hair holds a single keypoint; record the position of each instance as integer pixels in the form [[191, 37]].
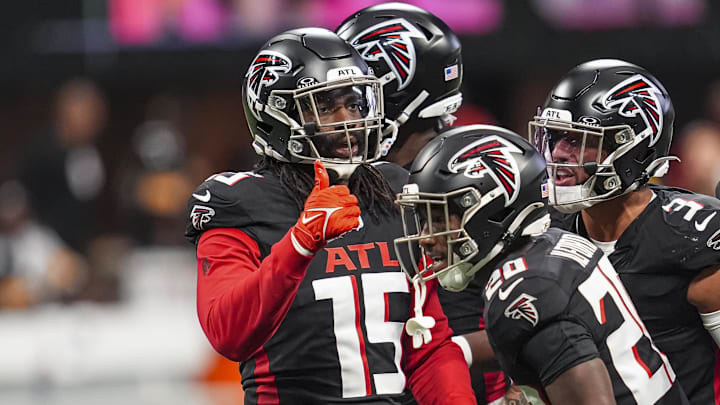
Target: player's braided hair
[[367, 183]]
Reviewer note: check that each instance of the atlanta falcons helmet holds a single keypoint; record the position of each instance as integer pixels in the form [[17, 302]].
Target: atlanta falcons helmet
[[492, 179], [417, 58], [293, 90], [605, 129]]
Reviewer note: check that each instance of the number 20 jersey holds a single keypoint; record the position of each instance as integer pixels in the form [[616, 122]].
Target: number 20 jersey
[[340, 341], [662, 250], [557, 302]]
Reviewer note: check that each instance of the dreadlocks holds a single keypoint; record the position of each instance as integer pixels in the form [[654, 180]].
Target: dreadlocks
[[367, 183]]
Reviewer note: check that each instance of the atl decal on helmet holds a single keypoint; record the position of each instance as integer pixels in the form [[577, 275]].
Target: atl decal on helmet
[[390, 41], [637, 95], [491, 155]]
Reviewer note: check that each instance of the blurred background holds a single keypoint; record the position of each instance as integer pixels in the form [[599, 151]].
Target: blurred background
[[112, 111]]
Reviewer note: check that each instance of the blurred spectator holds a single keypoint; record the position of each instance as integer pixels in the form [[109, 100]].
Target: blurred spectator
[[62, 168], [156, 183], [35, 265], [698, 146], [712, 104]]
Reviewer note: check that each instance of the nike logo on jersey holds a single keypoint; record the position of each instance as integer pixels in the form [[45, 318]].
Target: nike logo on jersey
[[700, 226], [203, 197], [503, 294], [305, 218]]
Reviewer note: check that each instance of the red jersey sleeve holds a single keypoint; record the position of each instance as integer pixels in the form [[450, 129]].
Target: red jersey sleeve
[[437, 371], [242, 300]]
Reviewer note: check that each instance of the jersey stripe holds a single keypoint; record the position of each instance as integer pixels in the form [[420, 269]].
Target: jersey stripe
[[639, 324], [267, 393], [366, 368], [641, 362]]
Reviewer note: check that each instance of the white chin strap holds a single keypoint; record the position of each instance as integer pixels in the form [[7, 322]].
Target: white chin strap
[[343, 170], [442, 109], [571, 199]]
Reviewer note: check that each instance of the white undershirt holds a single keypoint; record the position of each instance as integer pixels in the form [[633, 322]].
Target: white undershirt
[[606, 247]]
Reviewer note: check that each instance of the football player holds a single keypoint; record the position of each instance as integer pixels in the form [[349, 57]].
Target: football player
[[556, 313], [295, 276], [605, 129], [418, 60]]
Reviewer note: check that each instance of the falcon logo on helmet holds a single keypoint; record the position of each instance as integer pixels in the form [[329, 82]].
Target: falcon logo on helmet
[[392, 42], [637, 95], [523, 308], [491, 155], [264, 71]]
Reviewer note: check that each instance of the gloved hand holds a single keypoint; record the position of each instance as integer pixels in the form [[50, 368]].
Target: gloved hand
[[330, 212]]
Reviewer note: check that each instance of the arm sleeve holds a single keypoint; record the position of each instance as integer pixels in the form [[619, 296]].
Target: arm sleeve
[[241, 300], [437, 371], [557, 348]]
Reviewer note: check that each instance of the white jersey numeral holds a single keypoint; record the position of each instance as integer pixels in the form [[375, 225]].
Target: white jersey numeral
[[349, 336], [231, 180], [646, 387]]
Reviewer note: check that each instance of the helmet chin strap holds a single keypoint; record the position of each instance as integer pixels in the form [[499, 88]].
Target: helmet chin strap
[[343, 171], [583, 196], [393, 126], [458, 278]]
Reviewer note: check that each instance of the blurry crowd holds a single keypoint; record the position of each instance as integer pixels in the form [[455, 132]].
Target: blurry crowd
[[61, 243]]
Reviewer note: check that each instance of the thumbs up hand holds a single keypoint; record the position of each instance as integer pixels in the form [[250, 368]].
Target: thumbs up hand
[[329, 213]]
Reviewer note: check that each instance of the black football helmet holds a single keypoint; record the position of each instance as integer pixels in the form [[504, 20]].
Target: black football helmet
[[492, 179], [605, 129], [309, 95], [417, 58]]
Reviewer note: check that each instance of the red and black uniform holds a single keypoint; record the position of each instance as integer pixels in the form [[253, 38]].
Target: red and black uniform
[[556, 302], [657, 256], [464, 310], [327, 329]]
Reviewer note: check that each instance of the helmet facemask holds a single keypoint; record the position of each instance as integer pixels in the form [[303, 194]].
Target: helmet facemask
[[433, 215], [337, 122], [580, 160]]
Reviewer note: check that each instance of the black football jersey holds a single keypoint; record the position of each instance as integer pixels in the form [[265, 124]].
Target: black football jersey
[[557, 302], [673, 239], [340, 342]]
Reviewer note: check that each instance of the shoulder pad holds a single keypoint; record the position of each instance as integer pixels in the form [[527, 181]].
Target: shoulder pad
[[694, 217], [523, 304], [569, 250], [230, 200], [395, 175]]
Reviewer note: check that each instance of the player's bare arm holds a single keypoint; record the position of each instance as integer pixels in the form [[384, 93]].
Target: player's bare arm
[[587, 383], [702, 293]]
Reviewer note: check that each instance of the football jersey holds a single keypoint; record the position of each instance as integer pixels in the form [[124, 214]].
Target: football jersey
[[464, 310], [662, 250], [341, 338], [556, 302]]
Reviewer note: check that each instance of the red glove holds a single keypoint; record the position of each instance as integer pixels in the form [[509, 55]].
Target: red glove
[[330, 212]]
